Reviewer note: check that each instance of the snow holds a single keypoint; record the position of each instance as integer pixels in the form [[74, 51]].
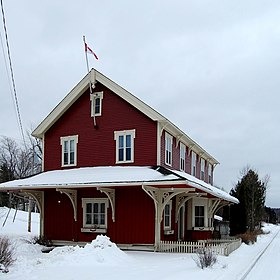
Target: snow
[[111, 176], [101, 259]]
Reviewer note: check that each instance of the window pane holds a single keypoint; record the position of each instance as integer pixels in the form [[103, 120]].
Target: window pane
[[121, 144], [72, 145], [88, 219], [89, 208], [97, 105], [95, 219], [128, 141], [128, 153], [72, 156], [65, 158], [121, 154], [102, 219], [95, 208], [102, 207]]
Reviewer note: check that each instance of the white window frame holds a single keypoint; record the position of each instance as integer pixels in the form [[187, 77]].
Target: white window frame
[[210, 177], [202, 169], [193, 165], [98, 228], [168, 149], [182, 157], [124, 133], [168, 215], [63, 141], [93, 97]]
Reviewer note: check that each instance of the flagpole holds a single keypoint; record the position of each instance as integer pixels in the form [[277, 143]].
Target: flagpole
[[90, 89], [89, 77]]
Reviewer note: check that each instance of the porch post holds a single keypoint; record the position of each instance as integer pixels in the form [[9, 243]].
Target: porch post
[[161, 196]]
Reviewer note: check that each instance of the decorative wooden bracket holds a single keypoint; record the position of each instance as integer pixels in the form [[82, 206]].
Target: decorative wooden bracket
[[72, 195], [182, 199], [38, 196], [111, 196]]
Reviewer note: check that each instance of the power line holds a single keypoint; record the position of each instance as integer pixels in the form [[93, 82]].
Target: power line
[[12, 74]]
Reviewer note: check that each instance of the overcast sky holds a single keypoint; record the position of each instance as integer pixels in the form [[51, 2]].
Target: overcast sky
[[211, 67]]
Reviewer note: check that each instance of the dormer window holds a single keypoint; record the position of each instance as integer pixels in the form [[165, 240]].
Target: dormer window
[[96, 103]]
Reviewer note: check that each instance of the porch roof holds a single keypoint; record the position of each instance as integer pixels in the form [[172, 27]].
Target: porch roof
[[108, 176]]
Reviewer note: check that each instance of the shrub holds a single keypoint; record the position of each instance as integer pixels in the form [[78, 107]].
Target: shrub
[[41, 241], [205, 258], [249, 237], [6, 254]]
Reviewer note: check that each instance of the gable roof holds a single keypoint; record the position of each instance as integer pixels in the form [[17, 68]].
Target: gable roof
[[108, 176], [96, 76]]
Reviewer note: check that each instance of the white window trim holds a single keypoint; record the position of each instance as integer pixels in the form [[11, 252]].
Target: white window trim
[[170, 217], [92, 99], [193, 163], [116, 137], [168, 137], [93, 228], [202, 169], [68, 138], [200, 202], [182, 157]]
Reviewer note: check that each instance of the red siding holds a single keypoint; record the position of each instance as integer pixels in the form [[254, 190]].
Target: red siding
[[134, 216], [58, 217], [96, 146]]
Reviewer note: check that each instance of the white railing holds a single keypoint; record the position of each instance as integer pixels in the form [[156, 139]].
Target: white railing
[[219, 247]]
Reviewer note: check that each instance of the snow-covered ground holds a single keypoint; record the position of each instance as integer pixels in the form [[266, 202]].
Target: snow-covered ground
[[103, 260]]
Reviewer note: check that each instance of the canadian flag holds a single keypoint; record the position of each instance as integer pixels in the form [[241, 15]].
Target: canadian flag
[[89, 50]]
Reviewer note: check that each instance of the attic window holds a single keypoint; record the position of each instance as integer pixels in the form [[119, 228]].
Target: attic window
[[96, 103]]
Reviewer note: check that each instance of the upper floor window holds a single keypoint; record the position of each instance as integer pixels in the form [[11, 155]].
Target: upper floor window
[[199, 216], [95, 213], [167, 216], [69, 150], [125, 146], [168, 148], [210, 173], [193, 171], [96, 103], [182, 156], [202, 169]]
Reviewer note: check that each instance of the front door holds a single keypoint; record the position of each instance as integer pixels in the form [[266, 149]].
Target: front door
[[181, 223]]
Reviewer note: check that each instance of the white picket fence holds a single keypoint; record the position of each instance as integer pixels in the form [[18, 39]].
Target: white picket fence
[[219, 247]]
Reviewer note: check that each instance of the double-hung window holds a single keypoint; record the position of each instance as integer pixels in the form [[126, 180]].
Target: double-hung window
[[94, 213], [199, 216], [182, 156], [210, 173], [168, 149], [193, 171], [202, 169], [96, 103], [69, 150], [167, 216], [125, 146]]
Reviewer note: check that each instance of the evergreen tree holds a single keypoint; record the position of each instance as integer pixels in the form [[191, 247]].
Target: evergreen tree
[[251, 192]]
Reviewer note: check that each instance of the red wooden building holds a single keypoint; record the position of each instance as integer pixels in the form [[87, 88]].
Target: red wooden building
[[113, 165]]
